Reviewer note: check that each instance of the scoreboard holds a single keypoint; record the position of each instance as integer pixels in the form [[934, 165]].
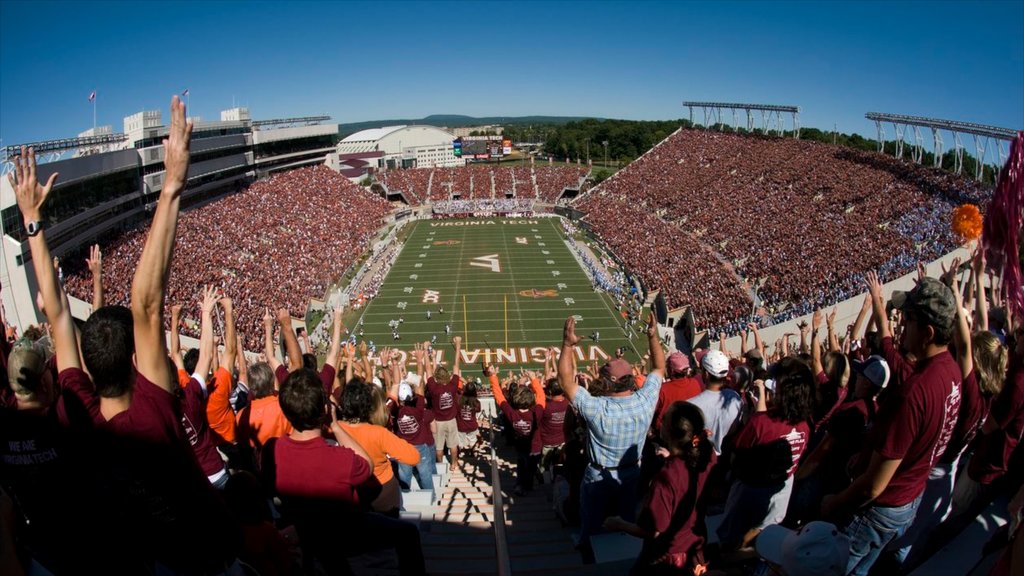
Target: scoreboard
[[481, 147]]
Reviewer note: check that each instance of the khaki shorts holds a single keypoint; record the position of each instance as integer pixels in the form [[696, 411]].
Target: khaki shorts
[[447, 434], [468, 439]]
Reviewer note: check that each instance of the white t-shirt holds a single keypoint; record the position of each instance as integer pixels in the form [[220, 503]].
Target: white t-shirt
[[721, 409]]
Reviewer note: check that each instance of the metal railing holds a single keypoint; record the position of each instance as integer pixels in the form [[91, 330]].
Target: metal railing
[[504, 567]]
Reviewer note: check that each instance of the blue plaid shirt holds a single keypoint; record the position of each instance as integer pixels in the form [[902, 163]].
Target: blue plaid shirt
[[617, 425]]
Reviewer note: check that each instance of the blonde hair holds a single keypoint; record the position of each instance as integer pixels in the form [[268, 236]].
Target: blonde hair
[[379, 412], [990, 361]]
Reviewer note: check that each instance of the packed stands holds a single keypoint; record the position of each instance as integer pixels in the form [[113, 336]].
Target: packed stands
[[545, 183], [552, 180], [414, 182], [800, 221], [525, 187], [278, 243]]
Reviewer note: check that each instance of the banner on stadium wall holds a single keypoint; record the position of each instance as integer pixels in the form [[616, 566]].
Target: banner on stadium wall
[[513, 355]]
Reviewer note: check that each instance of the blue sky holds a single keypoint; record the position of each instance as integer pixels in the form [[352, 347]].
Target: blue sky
[[355, 62]]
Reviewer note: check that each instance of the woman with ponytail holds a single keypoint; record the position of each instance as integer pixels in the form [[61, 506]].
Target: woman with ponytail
[[672, 519]]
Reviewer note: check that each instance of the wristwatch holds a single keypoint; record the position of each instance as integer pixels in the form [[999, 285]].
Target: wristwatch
[[33, 227]]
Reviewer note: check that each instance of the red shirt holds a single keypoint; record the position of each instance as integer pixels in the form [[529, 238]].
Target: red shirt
[[674, 391], [411, 423], [992, 457], [973, 410], [197, 429], [315, 469], [764, 429], [466, 421], [526, 424], [157, 487], [444, 399], [671, 509], [915, 421], [552, 424]]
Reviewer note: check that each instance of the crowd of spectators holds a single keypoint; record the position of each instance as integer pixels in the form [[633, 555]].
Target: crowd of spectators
[[280, 242], [488, 206], [799, 221], [471, 182]]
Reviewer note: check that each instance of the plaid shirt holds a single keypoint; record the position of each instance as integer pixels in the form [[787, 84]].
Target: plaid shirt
[[617, 425]]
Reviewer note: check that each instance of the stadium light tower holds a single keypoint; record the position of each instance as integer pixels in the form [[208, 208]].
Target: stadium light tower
[[605, 142], [772, 119]]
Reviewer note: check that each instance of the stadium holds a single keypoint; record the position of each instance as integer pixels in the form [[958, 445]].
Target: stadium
[[724, 232]]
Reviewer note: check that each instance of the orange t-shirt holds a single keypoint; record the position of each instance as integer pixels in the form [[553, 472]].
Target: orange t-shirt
[[262, 420], [379, 443], [218, 406]]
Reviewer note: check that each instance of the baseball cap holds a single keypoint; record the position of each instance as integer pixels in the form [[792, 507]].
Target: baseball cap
[[931, 300], [26, 365], [817, 549], [404, 392], [677, 362], [715, 363], [413, 379], [875, 369], [616, 369]]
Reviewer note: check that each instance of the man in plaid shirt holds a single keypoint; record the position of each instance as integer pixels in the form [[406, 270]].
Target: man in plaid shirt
[[617, 424]]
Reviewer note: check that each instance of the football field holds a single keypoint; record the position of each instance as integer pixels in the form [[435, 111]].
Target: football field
[[506, 285]]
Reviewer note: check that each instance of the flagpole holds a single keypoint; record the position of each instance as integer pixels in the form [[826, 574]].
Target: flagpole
[[505, 298], [94, 112], [465, 320]]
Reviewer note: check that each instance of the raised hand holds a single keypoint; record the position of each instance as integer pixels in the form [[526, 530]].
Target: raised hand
[[176, 149], [874, 285], [268, 318], [816, 319], [209, 299], [652, 325], [95, 260], [29, 193], [457, 341], [569, 337], [830, 320]]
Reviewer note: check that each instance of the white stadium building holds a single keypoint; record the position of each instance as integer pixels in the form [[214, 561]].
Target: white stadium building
[[404, 146], [111, 181]]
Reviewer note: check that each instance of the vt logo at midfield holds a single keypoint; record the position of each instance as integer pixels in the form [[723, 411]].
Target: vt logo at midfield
[[489, 261]]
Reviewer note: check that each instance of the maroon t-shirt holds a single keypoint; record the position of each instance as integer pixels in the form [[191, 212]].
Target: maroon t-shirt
[[326, 376], [315, 469], [671, 509], [197, 429], [154, 484], [526, 424], [992, 457], [915, 423], [673, 391], [411, 423], [466, 420], [973, 410], [552, 425], [764, 429], [444, 400]]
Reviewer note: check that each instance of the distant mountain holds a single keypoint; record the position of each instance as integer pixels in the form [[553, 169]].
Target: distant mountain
[[458, 121]]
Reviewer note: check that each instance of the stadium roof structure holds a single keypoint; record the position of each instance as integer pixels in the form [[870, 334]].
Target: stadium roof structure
[[303, 120], [984, 138], [772, 119], [50, 150], [372, 134]]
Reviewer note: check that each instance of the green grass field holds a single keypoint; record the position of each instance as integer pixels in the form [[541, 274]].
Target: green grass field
[[506, 286]]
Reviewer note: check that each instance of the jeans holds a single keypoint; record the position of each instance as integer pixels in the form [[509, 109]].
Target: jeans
[[601, 488], [423, 471], [872, 529], [935, 502]]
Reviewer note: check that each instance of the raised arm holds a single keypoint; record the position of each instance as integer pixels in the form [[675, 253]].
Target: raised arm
[[151, 274], [230, 338], [743, 343], [268, 340], [206, 336], [833, 338], [458, 355], [878, 305], [758, 343], [803, 337], [654, 346], [816, 365], [566, 368], [336, 327], [865, 312], [980, 305], [961, 331], [175, 337], [95, 264], [30, 197], [291, 343]]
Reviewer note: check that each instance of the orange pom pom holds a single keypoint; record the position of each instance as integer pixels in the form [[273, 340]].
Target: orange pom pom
[[967, 222]]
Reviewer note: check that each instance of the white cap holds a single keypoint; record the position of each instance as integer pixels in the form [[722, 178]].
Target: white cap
[[413, 379], [817, 549], [404, 392], [716, 363]]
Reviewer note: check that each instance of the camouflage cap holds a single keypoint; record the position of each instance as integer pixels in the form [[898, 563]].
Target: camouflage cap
[[931, 301]]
